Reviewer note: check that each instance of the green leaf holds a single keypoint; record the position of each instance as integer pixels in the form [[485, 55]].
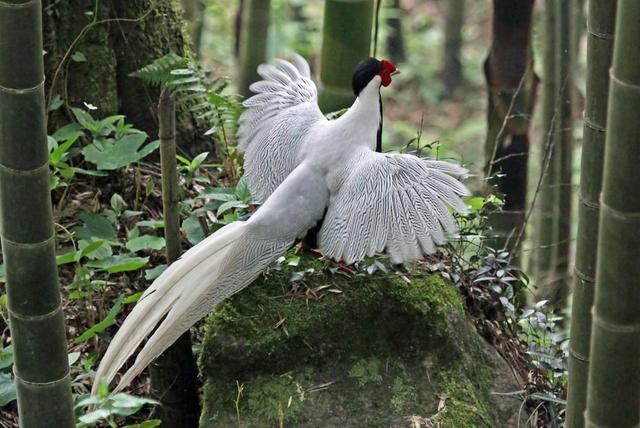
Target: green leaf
[[218, 194], [6, 357], [71, 131], [476, 203], [119, 263], [2, 273], [191, 226], [117, 203], [84, 119], [92, 418], [115, 154], [229, 205], [66, 258], [145, 242], [102, 325], [153, 273], [154, 224], [95, 226], [78, 57], [242, 191], [55, 103], [7, 389], [125, 404], [87, 249], [148, 424], [73, 357], [132, 298], [197, 161]]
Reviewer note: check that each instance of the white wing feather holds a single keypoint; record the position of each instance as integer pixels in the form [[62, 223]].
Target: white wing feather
[[274, 127], [395, 202]]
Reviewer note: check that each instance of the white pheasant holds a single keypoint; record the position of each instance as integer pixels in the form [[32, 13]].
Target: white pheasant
[[305, 170]]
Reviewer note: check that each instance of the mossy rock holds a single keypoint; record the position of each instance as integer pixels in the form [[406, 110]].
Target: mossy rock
[[362, 351]]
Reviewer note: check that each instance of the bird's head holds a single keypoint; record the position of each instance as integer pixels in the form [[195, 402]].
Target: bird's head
[[368, 70]]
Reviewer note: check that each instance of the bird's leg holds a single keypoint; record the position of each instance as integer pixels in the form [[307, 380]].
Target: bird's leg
[[344, 268], [306, 248]]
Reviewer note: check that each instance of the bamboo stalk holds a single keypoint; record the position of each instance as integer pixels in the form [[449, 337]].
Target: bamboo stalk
[[254, 31], [600, 32], [564, 142], [173, 374], [545, 226], [613, 398], [346, 40], [36, 317], [452, 65]]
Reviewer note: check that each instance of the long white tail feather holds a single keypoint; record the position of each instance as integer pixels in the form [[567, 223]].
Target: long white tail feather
[[189, 289]]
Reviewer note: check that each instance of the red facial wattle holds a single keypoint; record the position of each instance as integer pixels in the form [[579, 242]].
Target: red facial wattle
[[386, 70]]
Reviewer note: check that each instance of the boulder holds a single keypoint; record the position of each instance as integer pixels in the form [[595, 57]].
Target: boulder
[[386, 349]]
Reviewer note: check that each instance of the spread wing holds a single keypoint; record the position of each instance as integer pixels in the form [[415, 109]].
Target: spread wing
[[275, 125], [396, 202]]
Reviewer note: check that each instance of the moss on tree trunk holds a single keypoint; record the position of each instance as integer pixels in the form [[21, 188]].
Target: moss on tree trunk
[[371, 350], [92, 50]]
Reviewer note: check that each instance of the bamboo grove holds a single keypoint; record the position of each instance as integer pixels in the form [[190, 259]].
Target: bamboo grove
[[596, 293]]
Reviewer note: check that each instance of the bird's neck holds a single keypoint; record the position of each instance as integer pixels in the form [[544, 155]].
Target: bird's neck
[[363, 119]]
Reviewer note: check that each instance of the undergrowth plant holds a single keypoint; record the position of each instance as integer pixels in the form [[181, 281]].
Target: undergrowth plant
[[198, 93]]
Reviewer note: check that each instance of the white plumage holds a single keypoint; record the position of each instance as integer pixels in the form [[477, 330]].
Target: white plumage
[[299, 165]]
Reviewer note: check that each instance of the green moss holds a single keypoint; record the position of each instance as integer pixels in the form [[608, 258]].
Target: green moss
[[382, 347], [274, 399], [402, 394], [366, 370]]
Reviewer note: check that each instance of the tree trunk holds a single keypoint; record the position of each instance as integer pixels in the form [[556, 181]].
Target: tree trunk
[[173, 374], [556, 287], [346, 40], [601, 28], [395, 39], [193, 13], [452, 70], [543, 256], [92, 47], [613, 397], [36, 317], [511, 86], [253, 42]]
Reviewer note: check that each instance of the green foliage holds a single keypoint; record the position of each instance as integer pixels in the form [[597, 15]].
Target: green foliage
[[197, 93], [107, 408]]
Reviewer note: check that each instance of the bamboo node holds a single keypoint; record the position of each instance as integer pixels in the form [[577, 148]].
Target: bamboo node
[[592, 125], [32, 171], [583, 276], [623, 216], [578, 356], [40, 384], [28, 244], [626, 85], [614, 327], [588, 203], [17, 5], [42, 317], [22, 91], [598, 34]]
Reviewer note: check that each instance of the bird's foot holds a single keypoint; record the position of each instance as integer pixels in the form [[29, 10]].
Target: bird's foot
[[304, 248], [344, 268]]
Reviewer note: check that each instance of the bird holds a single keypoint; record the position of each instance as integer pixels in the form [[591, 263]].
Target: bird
[[306, 172]]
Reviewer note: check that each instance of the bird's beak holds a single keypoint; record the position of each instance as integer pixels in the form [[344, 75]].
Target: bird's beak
[[394, 72]]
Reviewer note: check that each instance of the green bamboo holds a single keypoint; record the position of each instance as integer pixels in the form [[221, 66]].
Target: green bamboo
[[36, 318], [545, 226], [600, 31], [452, 68], [613, 397], [346, 40], [254, 31], [557, 289], [173, 374]]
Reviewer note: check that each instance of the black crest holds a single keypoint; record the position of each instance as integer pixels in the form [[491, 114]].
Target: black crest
[[365, 71]]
